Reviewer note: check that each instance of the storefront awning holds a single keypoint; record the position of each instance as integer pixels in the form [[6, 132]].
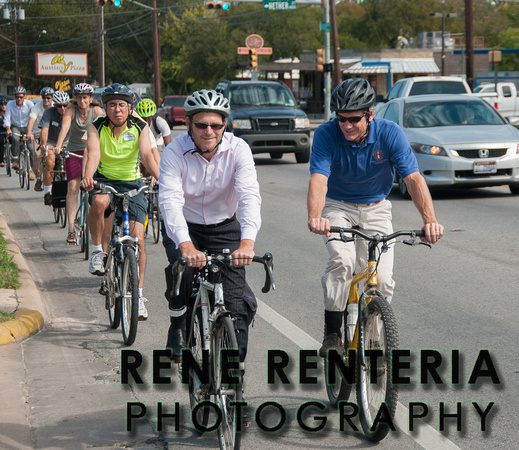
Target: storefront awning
[[409, 65]]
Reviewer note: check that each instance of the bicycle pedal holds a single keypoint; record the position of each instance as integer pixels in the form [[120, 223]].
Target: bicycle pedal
[[103, 290]]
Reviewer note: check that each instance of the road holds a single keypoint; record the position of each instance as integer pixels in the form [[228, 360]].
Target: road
[[461, 294]]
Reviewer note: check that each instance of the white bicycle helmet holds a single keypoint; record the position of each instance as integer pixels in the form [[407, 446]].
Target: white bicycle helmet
[[60, 98], [46, 91], [205, 100], [19, 90]]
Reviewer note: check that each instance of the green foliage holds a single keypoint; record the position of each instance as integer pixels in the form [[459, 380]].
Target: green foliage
[[8, 268], [4, 317]]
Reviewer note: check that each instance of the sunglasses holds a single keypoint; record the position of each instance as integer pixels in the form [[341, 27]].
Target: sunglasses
[[47, 98], [61, 106], [19, 96], [214, 126], [354, 120]]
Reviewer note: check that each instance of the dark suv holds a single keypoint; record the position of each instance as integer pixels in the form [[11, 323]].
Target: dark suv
[[266, 115]]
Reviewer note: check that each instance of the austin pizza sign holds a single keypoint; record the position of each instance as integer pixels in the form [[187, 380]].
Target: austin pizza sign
[[62, 64]]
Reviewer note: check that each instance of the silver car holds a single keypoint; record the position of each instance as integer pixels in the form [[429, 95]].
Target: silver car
[[458, 140]]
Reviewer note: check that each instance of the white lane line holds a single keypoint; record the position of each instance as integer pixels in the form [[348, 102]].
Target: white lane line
[[426, 435]]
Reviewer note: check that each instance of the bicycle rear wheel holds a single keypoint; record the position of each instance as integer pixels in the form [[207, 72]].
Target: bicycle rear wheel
[[129, 296], [225, 394], [21, 170], [339, 390], [376, 397], [113, 300], [197, 392], [28, 170], [63, 216]]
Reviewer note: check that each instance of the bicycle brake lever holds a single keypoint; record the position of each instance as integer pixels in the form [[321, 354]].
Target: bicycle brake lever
[[267, 261], [413, 242], [177, 270]]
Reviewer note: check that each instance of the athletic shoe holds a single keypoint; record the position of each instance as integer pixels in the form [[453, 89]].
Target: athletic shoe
[[143, 312], [37, 186], [97, 263], [331, 341], [47, 199]]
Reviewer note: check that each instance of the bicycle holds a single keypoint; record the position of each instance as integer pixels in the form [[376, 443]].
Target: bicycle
[[120, 284], [370, 334], [59, 191], [154, 213], [211, 330], [81, 226], [24, 162], [7, 152]]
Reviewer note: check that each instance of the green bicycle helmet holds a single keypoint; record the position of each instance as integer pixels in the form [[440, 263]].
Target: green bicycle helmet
[[146, 108]]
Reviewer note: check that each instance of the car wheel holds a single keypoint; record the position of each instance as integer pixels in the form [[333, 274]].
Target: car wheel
[[402, 188], [276, 155], [514, 188], [304, 156]]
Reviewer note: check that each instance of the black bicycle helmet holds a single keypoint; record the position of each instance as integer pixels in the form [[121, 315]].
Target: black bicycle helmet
[[46, 91], [19, 90], [205, 100], [355, 94], [117, 91]]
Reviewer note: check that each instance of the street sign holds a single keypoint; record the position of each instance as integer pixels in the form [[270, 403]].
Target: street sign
[[259, 51], [324, 27], [277, 4]]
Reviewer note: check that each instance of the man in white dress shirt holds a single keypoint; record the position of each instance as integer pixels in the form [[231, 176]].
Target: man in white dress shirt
[[206, 176]]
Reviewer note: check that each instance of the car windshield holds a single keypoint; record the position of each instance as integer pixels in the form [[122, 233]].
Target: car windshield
[[262, 95], [175, 101], [438, 87], [449, 113]]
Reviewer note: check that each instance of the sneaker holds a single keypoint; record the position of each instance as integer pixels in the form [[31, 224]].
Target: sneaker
[[38, 186], [331, 341], [47, 199], [32, 177], [143, 312], [97, 263]]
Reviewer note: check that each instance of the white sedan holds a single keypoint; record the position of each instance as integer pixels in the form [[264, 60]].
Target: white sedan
[[458, 140]]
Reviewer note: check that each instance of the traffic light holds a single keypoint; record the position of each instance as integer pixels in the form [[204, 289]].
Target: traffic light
[[217, 5], [319, 59], [253, 59], [116, 3]]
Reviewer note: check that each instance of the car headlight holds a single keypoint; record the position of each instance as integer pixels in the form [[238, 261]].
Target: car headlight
[[429, 149], [302, 122], [242, 124]]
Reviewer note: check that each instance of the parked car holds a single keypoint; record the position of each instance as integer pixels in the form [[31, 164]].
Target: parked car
[[172, 109], [458, 140], [267, 116], [408, 87], [505, 99]]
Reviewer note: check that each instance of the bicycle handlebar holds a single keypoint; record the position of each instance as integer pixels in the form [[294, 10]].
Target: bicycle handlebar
[[377, 237], [106, 189], [267, 260]]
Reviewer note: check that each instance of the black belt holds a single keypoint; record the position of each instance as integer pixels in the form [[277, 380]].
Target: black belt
[[214, 225]]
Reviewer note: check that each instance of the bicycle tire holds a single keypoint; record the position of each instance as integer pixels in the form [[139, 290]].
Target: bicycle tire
[[21, 170], [377, 330], [56, 214], [113, 300], [28, 170], [129, 297], [78, 228], [155, 224], [197, 393], [7, 158], [86, 231], [340, 390], [63, 216], [225, 338]]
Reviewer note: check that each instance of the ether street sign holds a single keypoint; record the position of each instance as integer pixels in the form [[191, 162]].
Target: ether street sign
[[277, 4]]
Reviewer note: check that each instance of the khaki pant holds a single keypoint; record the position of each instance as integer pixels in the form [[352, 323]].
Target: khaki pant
[[370, 219]]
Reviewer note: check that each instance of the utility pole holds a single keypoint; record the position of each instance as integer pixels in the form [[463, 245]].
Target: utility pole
[[157, 88], [335, 41], [12, 14], [469, 43], [327, 73], [101, 45]]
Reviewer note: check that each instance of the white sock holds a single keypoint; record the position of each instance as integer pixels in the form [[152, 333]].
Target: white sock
[[140, 292], [97, 248], [47, 189]]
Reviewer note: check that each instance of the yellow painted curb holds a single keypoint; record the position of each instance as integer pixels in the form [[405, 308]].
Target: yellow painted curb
[[25, 323]]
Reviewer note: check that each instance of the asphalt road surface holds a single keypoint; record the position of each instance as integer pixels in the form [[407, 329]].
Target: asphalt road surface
[[461, 295]]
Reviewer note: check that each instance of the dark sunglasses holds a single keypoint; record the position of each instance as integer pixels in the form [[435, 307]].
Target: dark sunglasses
[[19, 96], [353, 120], [61, 106], [47, 98], [214, 126]]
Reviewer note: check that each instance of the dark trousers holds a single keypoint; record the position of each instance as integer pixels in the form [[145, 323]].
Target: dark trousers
[[237, 294]]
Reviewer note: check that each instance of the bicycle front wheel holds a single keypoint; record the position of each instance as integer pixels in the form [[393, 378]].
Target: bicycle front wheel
[[86, 230], [156, 218], [63, 216], [376, 396], [21, 170], [113, 300], [27, 171], [225, 394], [129, 297], [197, 392], [339, 390], [7, 158]]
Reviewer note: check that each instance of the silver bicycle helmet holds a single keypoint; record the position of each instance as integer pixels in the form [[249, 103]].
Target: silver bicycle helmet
[[19, 90], [46, 91], [60, 98], [355, 94], [205, 100], [117, 91], [83, 88]]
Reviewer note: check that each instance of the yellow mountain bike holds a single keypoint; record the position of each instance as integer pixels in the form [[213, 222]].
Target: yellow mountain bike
[[369, 334]]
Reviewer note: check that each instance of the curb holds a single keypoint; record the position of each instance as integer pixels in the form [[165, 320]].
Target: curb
[[26, 323], [30, 314]]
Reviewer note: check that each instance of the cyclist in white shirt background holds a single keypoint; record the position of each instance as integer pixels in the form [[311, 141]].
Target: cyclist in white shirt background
[[33, 131], [16, 120]]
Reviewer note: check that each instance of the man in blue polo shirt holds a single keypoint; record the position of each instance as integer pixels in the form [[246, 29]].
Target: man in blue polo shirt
[[353, 163]]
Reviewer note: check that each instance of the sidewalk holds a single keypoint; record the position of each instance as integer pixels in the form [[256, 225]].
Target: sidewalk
[[30, 313]]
